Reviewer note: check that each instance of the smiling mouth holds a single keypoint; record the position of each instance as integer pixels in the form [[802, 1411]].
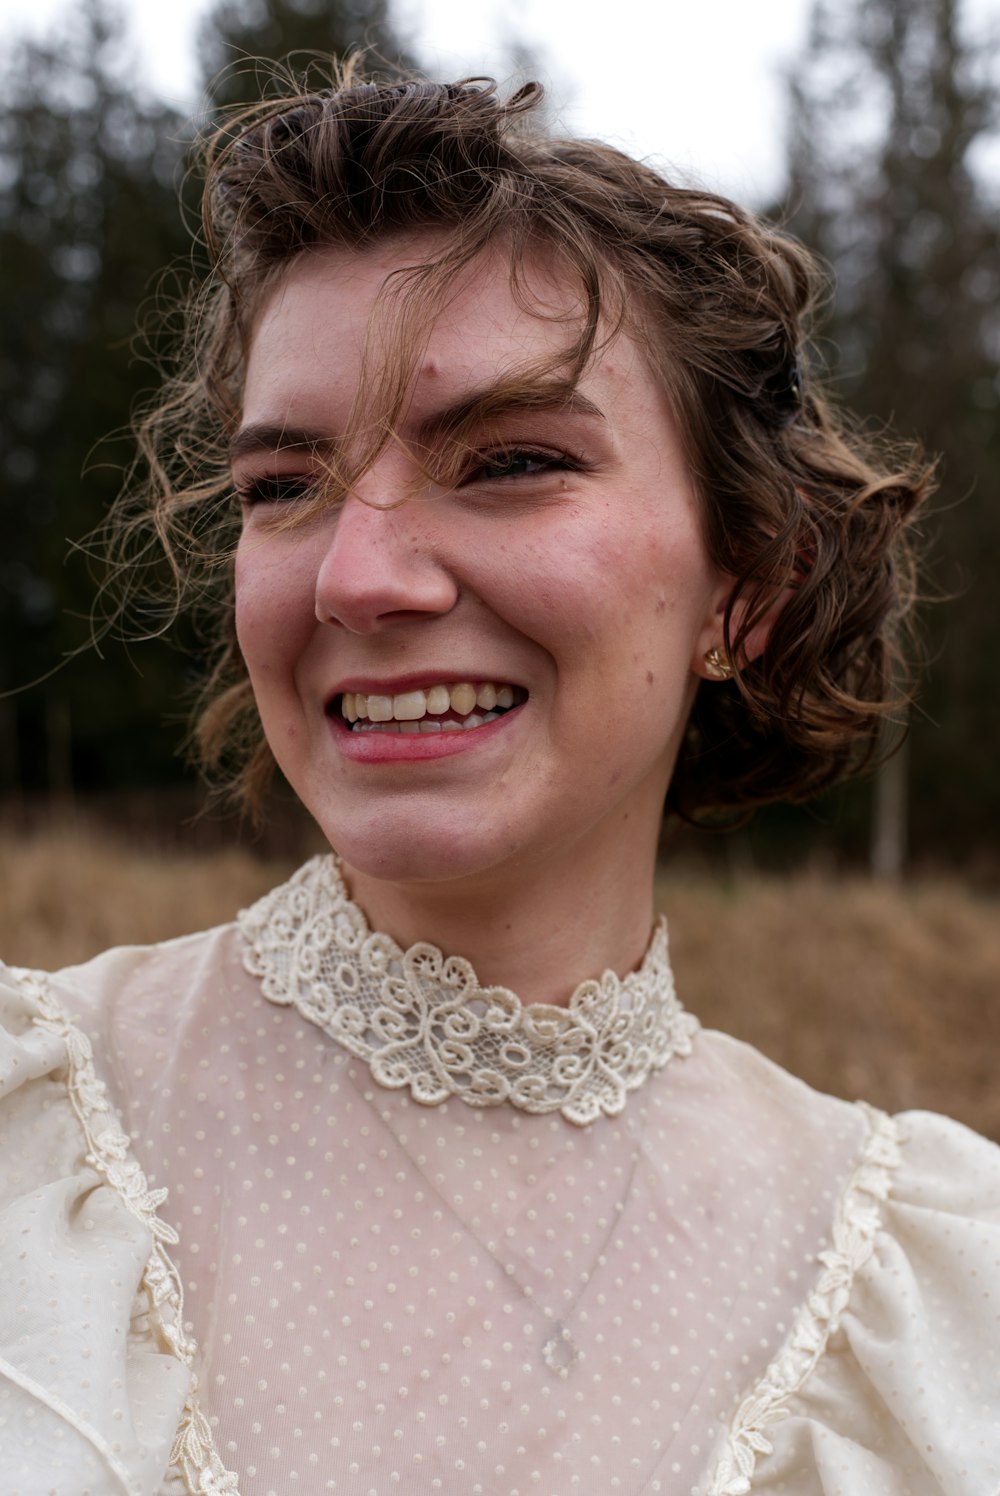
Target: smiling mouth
[[440, 708]]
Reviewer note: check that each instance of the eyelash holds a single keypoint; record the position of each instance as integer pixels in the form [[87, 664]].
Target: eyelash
[[265, 489], [547, 461], [272, 490]]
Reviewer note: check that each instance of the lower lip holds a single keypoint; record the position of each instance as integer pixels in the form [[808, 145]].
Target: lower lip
[[414, 747]]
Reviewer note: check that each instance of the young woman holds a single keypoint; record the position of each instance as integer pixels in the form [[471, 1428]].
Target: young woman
[[433, 1185]]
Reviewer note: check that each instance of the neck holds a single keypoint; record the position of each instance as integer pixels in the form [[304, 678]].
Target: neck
[[540, 929]]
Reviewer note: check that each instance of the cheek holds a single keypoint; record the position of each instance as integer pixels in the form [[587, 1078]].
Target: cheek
[[251, 614], [274, 613], [644, 589]]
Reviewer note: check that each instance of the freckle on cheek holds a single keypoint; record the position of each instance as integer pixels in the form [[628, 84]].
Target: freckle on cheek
[[650, 677]]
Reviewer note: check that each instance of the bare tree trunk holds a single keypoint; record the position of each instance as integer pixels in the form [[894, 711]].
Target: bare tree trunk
[[890, 819]]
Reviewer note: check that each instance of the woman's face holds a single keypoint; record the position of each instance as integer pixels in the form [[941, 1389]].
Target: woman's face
[[557, 592]]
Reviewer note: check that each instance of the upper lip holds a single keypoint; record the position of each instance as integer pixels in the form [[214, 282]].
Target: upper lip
[[398, 685]]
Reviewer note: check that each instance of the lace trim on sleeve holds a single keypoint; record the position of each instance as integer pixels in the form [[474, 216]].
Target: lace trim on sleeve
[[193, 1456], [856, 1224]]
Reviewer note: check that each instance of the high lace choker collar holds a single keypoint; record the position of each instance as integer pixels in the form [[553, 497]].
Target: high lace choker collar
[[422, 1020]]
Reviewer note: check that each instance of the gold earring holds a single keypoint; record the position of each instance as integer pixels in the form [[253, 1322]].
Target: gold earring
[[718, 664]]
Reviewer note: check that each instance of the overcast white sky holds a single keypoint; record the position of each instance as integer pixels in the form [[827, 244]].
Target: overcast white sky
[[696, 83]]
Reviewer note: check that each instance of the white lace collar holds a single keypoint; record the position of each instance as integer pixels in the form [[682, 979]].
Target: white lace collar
[[422, 1020]]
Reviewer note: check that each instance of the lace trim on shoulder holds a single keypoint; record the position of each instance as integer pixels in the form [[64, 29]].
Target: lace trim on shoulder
[[422, 1020], [856, 1224], [193, 1457]]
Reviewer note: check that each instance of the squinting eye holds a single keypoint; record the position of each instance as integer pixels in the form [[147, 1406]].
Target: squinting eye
[[271, 490], [518, 463]]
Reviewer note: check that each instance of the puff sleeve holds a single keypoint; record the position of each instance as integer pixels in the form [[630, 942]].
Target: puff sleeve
[[889, 1384], [96, 1388]]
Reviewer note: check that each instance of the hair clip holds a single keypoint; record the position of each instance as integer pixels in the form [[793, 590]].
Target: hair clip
[[785, 390]]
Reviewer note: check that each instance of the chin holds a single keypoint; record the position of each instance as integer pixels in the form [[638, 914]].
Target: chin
[[402, 847]]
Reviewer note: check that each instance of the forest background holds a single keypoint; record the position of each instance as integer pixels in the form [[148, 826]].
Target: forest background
[[883, 987], [891, 104]]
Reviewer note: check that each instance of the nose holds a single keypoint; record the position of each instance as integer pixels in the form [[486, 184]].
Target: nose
[[381, 567]]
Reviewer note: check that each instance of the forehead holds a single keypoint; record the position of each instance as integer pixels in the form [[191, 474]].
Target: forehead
[[336, 310]]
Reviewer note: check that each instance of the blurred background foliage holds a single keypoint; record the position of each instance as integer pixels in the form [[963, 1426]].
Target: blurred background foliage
[[893, 106]]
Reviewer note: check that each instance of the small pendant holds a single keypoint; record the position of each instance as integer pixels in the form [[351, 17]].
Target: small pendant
[[560, 1351]]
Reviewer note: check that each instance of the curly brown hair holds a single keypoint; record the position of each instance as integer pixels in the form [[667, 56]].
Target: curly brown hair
[[796, 506]]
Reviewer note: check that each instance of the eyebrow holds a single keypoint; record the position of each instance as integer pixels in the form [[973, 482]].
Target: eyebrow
[[273, 436], [499, 401]]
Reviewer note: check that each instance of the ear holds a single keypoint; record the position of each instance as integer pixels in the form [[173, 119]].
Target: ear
[[711, 658]]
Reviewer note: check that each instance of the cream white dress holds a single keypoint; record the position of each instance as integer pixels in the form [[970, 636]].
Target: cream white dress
[[379, 1230]]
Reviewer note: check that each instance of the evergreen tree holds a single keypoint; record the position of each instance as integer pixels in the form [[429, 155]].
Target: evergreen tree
[[891, 102], [88, 217], [240, 41]]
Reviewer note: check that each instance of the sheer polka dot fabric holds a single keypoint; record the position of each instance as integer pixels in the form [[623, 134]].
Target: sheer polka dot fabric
[[388, 1296]]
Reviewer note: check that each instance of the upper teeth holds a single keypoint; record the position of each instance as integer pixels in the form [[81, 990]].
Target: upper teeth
[[410, 706]]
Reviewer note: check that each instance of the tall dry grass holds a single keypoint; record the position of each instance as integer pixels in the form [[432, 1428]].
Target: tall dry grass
[[869, 991], [863, 990], [67, 894]]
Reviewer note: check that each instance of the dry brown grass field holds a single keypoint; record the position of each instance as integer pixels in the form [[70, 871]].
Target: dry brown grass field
[[891, 994]]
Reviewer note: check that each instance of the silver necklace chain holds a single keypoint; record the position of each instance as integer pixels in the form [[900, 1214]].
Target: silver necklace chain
[[560, 1350]]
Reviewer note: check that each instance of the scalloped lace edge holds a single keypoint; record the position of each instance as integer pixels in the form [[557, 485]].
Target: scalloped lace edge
[[193, 1456], [857, 1222], [408, 1013]]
